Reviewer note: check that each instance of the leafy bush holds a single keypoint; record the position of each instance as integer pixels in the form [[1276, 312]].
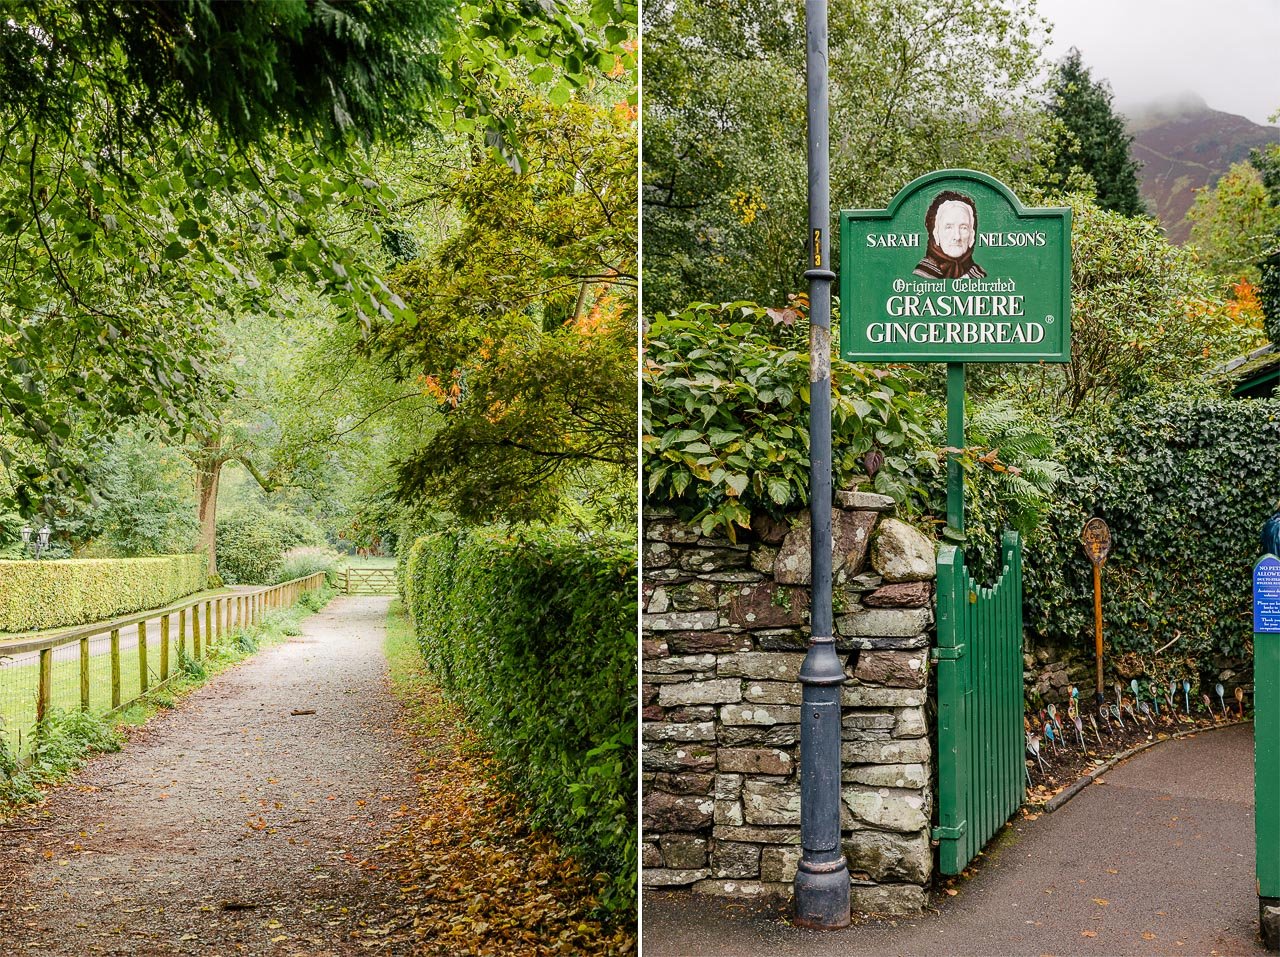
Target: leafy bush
[[306, 561], [534, 634], [51, 594], [63, 743], [726, 418], [252, 542], [1185, 485]]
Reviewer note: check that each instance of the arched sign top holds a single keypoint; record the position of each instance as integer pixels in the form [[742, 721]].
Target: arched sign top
[[956, 269], [951, 176]]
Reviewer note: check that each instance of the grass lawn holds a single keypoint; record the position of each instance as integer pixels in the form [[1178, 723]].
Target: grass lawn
[[373, 561]]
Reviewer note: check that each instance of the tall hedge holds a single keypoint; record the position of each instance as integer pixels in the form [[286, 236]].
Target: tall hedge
[[53, 594], [1185, 485], [535, 635]]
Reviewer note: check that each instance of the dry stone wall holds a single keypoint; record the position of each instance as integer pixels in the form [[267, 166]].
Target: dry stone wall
[[725, 632]]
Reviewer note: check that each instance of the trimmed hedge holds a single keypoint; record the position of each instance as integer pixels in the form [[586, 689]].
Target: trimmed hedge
[[1185, 485], [54, 594], [535, 636]]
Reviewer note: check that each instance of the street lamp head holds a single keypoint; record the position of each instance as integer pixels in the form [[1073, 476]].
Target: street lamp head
[[44, 538], [26, 534]]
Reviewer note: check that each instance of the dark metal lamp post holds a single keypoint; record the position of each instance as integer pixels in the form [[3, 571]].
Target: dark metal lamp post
[[822, 889]]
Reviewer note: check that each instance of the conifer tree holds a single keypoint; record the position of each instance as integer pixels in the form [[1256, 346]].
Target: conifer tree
[[1093, 137]]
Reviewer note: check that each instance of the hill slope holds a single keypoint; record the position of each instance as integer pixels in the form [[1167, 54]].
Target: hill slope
[[1184, 145]]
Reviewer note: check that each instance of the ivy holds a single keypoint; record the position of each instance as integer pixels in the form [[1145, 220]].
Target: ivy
[[725, 416], [1185, 485]]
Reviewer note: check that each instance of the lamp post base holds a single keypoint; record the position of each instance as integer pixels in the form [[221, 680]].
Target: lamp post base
[[822, 895]]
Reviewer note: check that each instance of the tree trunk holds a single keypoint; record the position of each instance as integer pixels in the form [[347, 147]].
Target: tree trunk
[[208, 471]]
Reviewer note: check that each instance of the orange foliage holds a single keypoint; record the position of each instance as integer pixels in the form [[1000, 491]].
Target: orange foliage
[[1244, 302]]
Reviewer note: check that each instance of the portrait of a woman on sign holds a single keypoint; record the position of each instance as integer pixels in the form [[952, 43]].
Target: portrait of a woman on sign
[[951, 227]]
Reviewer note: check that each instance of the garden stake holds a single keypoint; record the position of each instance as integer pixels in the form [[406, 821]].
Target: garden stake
[[1096, 733], [1240, 701], [1075, 720], [1207, 706], [1033, 745], [1119, 690], [1221, 704], [1105, 712], [1186, 695], [1048, 736], [1115, 713]]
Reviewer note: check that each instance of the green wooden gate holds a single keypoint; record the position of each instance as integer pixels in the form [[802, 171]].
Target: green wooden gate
[[981, 775]]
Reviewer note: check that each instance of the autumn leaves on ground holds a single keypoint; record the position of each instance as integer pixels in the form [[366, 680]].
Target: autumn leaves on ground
[[294, 806]]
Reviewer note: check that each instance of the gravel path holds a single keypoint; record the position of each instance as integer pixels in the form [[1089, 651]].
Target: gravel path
[[228, 826]]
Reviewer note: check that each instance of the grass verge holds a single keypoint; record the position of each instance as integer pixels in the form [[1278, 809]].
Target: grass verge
[[478, 878], [68, 738]]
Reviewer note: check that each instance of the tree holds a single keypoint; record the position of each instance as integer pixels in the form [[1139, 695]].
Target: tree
[[523, 323], [161, 160], [1267, 162], [915, 86], [1092, 137], [1234, 224], [1144, 317]]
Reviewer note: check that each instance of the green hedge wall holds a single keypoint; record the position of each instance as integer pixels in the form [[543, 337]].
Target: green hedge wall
[[535, 635], [1185, 485], [53, 594]]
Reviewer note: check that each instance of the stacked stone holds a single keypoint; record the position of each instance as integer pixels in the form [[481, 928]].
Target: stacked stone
[[1049, 673], [725, 633]]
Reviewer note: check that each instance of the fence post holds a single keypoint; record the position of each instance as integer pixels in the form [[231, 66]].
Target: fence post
[[182, 633], [164, 647], [115, 668], [208, 625], [84, 674], [45, 685], [143, 684], [195, 632]]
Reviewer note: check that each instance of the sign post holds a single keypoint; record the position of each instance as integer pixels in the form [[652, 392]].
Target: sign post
[[955, 270], [1097, 545], [1266, 743]]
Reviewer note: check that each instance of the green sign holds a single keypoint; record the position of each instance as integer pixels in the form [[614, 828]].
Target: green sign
[[955, 270]]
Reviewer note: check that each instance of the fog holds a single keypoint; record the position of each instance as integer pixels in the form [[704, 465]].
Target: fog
[[1224, 51]]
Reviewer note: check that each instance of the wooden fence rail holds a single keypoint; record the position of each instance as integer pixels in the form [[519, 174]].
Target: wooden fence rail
[[221, 614]]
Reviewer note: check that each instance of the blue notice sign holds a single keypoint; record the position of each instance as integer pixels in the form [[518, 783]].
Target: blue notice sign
[[1266, 595]]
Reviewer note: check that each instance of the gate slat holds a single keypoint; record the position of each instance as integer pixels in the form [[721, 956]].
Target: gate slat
[[979, 682]]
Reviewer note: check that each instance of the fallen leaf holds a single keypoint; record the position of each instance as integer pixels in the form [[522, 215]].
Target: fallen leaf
[[1147, 935], [1101, 901], [1088, 933]]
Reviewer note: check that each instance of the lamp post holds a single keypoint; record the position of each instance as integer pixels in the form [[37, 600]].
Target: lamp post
[[41, 542], [822, 889]]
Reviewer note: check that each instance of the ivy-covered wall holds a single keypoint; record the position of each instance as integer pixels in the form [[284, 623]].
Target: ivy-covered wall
[[1185, 486]]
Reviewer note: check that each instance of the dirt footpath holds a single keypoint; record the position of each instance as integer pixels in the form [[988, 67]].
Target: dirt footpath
[[230, 826]]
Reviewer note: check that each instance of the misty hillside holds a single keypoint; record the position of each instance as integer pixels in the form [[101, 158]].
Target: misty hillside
[[1182, 145]]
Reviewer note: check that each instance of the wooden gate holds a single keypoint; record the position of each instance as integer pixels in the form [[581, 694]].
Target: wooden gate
[[981, 774], [369, 581]]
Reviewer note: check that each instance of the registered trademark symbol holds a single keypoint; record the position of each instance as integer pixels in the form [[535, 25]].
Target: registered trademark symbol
[[1048, 318]]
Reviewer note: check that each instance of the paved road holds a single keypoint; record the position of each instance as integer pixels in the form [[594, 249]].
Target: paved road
[[1159, 859]]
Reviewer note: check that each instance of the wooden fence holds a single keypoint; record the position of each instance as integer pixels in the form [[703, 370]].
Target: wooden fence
[[211, 618]]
